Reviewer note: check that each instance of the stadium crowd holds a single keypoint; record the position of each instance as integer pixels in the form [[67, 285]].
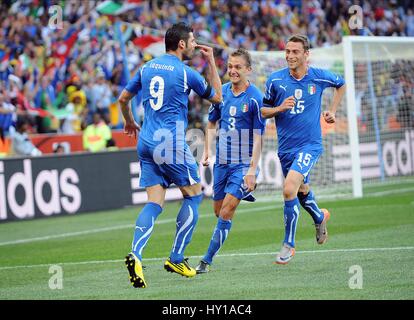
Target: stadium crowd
[[57, 79]]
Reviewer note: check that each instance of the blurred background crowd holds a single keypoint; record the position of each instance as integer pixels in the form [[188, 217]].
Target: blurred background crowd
[[63, 76]]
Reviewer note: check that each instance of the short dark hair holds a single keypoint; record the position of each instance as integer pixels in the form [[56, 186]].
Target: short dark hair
[[177, 32], [302, 39], [57, 147], [21, 121], [242, 53]]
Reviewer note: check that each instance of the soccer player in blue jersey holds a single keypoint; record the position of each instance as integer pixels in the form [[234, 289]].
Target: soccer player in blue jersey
[[293, 97], [165, 158], [238, 148]]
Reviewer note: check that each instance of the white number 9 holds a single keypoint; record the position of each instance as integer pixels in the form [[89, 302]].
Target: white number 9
[[159, 94]]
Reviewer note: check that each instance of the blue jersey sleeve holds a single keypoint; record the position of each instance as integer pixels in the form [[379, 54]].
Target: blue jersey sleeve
[[258, 122], [214, 113], [198, 84], [269, 96], [330, 79], [134, 85]]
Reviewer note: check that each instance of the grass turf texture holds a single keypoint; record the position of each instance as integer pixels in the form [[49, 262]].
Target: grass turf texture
[[375, 233]]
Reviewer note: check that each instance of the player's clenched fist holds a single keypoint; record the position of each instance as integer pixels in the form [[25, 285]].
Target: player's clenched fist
[[250, 182], [206, 51], [329, 116], [287, 104], [131, 128], [205, 161]]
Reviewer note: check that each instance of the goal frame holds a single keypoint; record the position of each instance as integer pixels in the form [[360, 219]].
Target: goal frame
[[349, 74]]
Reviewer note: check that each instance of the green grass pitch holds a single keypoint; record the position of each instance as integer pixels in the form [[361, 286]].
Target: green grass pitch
[[375, 233]]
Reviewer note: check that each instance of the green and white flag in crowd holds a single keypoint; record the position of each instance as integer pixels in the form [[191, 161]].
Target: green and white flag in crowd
[[115, 8]]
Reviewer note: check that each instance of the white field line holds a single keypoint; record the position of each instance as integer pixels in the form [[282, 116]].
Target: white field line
[[124, 226], [248, 254], [334, 197], [127, 226]]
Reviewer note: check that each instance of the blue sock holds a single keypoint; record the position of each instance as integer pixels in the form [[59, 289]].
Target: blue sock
[[219, 236], [308, 202], [143, 227], [291, 214], [186, 222]]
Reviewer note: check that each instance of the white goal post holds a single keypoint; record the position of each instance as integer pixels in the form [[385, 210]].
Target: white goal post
[[369, 50]]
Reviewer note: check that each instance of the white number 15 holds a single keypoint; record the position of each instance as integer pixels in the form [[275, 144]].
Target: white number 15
[[300, 106]]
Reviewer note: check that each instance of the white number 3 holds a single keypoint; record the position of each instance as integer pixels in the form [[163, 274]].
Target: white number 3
[[232, 125]]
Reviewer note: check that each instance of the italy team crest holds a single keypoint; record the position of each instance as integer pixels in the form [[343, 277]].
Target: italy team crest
[[311, 89], [233, 111], [298, 93], [245, 107]]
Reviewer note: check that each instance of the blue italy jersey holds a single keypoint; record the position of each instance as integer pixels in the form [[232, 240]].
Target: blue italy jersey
[[165, 83], [301, 125], [239, 117]]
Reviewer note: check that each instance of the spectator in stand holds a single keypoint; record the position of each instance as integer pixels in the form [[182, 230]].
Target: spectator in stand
[[96, 135], [7, 115], [22, 146], [409, 20], [73, 117], [44, 62], [59, 149], [101, 97]]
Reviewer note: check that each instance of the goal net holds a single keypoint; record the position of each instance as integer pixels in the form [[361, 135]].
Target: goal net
[[372, 140]]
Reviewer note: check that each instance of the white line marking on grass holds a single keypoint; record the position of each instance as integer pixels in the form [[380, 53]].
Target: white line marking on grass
[[120, 227], [388, 192], [243, 209], [65, 235], [338, 195], [249, 254]]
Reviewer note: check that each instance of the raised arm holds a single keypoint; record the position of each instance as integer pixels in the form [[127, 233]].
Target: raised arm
[[212, 75]]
